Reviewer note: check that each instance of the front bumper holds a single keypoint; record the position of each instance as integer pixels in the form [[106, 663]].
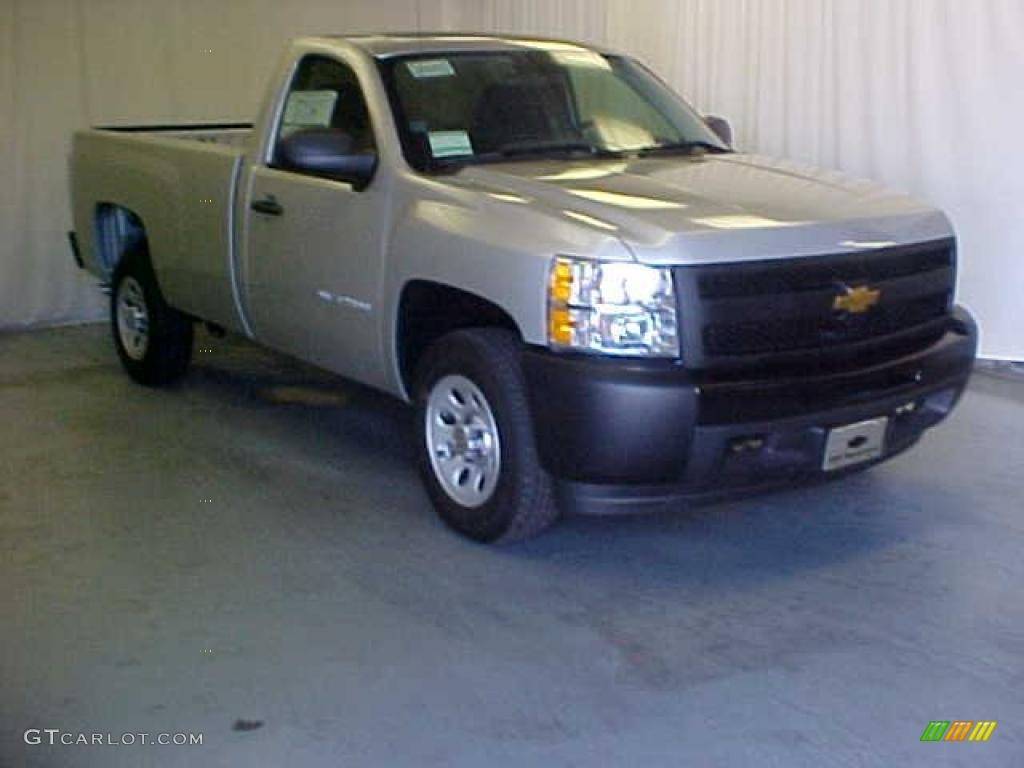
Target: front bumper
[[628, 436]]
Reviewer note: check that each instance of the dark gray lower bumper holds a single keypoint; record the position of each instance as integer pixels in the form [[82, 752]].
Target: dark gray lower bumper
[[627, 435]]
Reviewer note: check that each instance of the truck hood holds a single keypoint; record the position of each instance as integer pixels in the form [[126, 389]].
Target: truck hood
[[713, 208]]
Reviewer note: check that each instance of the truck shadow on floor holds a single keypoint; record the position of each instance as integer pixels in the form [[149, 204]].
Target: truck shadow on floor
[[769, 536], [312, 401], [750, 541]]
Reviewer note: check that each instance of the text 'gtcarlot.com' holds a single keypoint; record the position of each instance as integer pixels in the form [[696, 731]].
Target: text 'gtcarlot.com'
[[55, 736]]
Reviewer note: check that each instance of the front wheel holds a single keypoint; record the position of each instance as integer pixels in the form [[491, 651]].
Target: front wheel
[[477, 453], [153, 340]]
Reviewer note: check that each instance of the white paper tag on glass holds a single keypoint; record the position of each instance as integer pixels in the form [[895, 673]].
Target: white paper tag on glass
[[449, 143], [430, 68], [309, 109]]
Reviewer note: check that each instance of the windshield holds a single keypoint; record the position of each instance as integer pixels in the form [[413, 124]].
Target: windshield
[[458, 108]]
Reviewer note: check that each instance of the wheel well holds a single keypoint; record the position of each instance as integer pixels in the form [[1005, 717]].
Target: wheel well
[[118, 230], [427, 311]]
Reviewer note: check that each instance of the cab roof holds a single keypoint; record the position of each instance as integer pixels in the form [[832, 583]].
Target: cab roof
[[383, 46]]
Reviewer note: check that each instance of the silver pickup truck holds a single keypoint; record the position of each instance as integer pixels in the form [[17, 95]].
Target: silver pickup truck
[[592, 300]]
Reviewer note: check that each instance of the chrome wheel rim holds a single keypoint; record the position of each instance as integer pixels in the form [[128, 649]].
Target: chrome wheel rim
[[462, 441], [132, 318]]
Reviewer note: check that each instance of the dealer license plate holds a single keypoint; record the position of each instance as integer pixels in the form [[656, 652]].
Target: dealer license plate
[[854, 444]]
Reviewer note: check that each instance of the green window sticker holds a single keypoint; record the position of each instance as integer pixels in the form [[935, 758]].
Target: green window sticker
[[424, 68], [308, 109], [449, 143]]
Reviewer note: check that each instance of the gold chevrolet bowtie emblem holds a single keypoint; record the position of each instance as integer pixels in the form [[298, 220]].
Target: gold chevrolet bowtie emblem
[[857, 300]]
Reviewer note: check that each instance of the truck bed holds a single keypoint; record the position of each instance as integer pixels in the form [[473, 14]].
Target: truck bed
[[180, 181]]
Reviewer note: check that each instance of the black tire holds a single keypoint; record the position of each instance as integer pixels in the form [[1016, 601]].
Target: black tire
[[168, 347], [522, 503]]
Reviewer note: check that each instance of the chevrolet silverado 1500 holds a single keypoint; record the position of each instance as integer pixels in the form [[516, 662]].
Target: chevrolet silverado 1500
[[591, 299]]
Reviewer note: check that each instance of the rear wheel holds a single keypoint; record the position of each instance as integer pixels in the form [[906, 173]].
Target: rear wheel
[[477, 452], [153, 341]]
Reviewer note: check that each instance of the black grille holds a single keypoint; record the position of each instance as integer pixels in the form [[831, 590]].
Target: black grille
[[809, 332], [769, 310]]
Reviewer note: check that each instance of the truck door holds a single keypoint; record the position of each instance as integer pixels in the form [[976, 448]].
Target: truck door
[[313, 252]]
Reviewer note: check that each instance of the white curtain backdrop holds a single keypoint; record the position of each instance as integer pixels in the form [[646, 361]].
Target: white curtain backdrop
[[926, 95]]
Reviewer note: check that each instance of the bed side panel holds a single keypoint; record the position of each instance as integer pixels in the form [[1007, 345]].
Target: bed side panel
[[183, 192]]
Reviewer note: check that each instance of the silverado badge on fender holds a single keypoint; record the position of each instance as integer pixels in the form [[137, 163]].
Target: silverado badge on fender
[[857, 300]]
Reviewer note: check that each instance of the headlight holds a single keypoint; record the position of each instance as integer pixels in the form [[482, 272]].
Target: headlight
[[612, 308]]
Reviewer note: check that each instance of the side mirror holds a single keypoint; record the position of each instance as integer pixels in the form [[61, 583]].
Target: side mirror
[[721, 128], [327, 152]]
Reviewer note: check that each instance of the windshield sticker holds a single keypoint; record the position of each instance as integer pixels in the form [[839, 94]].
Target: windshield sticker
[[308, 109], [430, 68], [449, 143]]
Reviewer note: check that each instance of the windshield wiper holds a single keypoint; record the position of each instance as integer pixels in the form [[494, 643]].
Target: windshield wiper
[[682, 147], [518, 151], [553, 147]]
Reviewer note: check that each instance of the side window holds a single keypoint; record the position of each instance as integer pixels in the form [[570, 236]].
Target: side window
[[325, 93]]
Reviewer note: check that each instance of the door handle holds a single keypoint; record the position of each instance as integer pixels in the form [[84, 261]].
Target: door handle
[[267, 205]]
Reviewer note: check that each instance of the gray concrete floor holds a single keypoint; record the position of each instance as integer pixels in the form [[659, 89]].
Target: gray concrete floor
[[254, 545]]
